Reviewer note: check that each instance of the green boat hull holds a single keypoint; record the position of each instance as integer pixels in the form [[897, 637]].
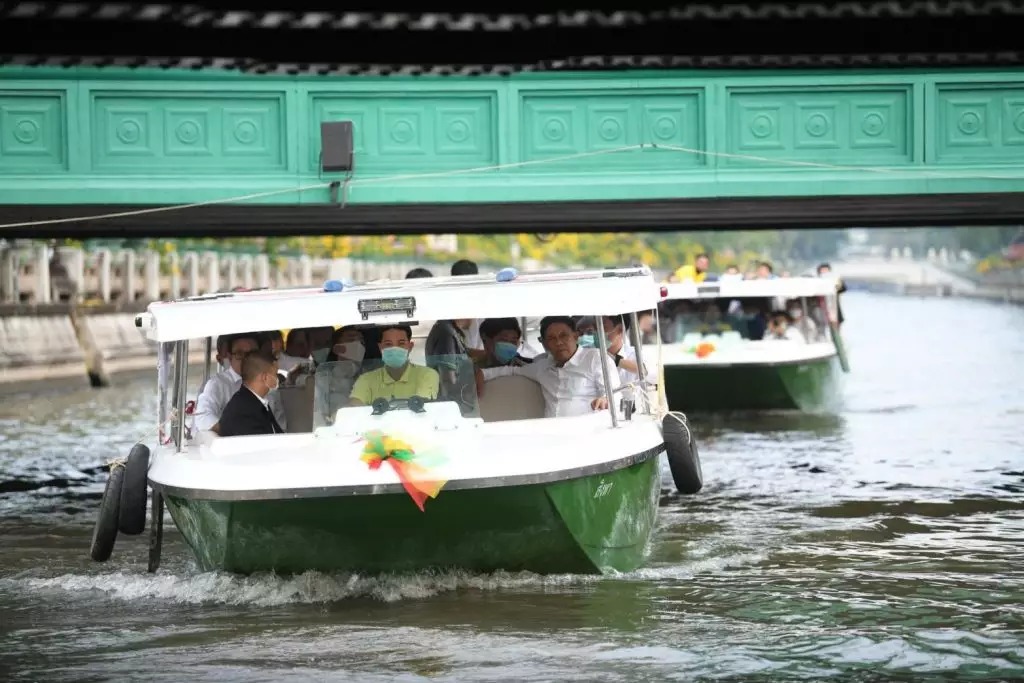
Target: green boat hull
[[810, 386], [585, 525]]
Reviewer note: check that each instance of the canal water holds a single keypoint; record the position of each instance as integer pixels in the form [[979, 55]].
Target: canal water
[[883, 543]]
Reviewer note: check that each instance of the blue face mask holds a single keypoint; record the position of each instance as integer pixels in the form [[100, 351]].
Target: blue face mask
[[587, 341], [394, 356], [505, 352]]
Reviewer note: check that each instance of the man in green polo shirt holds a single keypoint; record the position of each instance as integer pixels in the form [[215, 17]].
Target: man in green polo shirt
[[398, 378]]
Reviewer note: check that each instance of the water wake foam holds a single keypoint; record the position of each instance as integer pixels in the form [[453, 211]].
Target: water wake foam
[[272, 590]]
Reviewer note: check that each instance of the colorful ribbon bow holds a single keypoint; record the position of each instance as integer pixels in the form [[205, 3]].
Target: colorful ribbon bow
[[702, 350], [418, 481]]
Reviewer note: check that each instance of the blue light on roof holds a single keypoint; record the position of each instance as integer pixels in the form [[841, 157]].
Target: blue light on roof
[[506, 275], [333, 286]]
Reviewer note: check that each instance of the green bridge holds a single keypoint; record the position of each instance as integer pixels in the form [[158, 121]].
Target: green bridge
[[700, 148]]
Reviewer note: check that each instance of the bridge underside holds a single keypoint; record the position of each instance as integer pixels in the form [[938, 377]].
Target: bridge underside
[[568, 216], [754, 115]]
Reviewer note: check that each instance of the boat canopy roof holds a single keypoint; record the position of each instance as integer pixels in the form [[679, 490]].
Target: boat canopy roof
[[493, 295], [788, 287]]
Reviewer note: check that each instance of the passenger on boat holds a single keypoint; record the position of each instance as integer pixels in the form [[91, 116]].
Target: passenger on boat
[[698, 272], [732, 274], [503, 343], [418, 272], [272, 344], [447, 353], [570, 376], [765, 271], [755, 323], [780, 327], [223, 352], [622, 352], [825, 270], [712, 322], [222, 386], [467, 267], [398, 378], [320, 343], [248, 412], [803, 323], [336, 376], [296, 350], [222, 358], [647, 326]]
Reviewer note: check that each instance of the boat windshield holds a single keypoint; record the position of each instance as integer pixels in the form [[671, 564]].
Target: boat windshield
[[343, 383]]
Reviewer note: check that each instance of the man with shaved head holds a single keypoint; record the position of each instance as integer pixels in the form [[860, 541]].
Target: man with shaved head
[[248, 412]]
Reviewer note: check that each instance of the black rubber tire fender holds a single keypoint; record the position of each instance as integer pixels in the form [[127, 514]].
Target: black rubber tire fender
[[681, 450], [105, 532], [134, 492]]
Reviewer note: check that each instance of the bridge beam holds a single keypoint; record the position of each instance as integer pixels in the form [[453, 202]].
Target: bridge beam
[[682, 149]]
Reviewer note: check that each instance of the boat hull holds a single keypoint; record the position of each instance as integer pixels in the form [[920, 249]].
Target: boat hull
[[811, 385], [584, 525]]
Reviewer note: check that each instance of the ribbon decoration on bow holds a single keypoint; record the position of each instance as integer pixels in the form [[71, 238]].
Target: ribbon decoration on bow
[[419, 482], [702, 350]]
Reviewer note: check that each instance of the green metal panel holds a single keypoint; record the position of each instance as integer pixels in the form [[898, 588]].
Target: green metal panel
[[102, 136]]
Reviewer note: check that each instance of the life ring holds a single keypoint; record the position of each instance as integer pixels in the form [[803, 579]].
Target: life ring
[[681, 449], [105, 532], [132, 511]]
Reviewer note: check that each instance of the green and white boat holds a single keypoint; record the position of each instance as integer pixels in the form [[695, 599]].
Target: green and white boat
[[521, 491], [717, 356]]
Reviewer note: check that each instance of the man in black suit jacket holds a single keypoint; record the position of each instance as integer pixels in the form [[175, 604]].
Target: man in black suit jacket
[[247, 412]]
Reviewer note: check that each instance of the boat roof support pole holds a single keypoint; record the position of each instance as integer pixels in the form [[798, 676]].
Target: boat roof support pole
[[603, 346], [176, 387], [206, 366], [641, 370], [182, 394], [163, 366], [807, 318]]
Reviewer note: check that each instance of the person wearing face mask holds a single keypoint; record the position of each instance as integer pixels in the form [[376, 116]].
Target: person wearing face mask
[[623, 353], [296, 350], [398, 379], [502, 339], [448, 354], [804, 324], [336, 376], [570, 377], [586, 328], [780, 327], [248, 412]]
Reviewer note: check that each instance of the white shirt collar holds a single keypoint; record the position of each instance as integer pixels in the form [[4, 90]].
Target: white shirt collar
[[265, 402]]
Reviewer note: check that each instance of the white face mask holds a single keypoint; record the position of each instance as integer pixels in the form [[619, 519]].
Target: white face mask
[[796, 313], [354, 351]]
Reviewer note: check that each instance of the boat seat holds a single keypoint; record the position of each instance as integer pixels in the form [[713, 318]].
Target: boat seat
[[511, 398], [298, 407]]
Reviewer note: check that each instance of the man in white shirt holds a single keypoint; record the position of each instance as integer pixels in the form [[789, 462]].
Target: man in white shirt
[[570, 377], [222, 386], [623, 352]]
